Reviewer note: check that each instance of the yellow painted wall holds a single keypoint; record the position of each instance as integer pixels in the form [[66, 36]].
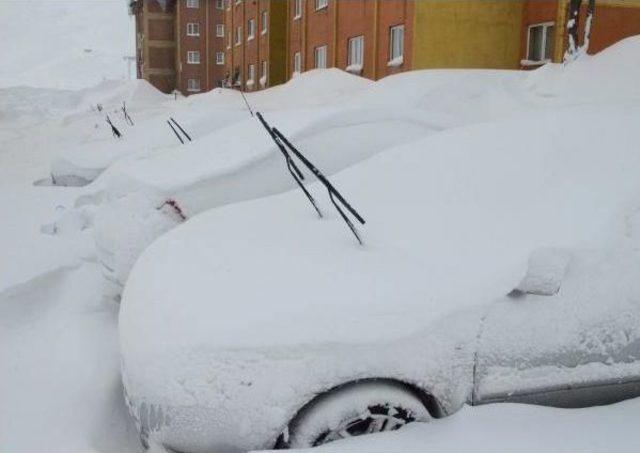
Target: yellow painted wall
[[467, 34]]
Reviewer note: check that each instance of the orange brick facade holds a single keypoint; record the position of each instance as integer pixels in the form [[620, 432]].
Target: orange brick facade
[[254, 44], [333, 26]]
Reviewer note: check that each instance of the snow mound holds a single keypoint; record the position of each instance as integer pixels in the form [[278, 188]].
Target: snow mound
[[612, 74]]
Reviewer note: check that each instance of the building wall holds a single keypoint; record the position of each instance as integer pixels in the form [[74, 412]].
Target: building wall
[[613, 21], [207, 15], [467, 34], [342, 20], [268, 46], [155, 44]]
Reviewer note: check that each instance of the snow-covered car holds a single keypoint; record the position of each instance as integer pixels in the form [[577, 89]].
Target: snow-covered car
[[149, 196], [497, 265]]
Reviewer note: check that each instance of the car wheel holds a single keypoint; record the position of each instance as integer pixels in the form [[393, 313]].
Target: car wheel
[[355, 410]]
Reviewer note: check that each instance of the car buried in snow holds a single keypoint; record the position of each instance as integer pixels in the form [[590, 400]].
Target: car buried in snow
[[502, 271]]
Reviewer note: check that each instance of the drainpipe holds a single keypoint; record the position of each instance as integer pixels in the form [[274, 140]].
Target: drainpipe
[[376, 18]]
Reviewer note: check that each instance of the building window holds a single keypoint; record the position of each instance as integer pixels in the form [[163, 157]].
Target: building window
[[219, 58], [220, 30], [251, 29], [193, 57], [297, 9], [193, 3], [356, 54], [297, 63], [320, 54], [193, 29], [193, 85], [265, 23], [228, 5], [238, 36], [540, 42], [219, 4], [263, 76], [396, 45], [320, 4], [251, 75]]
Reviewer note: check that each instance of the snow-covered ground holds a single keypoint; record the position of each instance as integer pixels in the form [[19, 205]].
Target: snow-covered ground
[[60, 387]]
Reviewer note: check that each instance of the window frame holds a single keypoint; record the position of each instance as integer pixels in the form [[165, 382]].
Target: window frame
[[191, 85], [297, 62], [251, 29], [239, 35], [193, 28], [321, 4], [194, 4], [392, 57], [264, 18], [317, 51], [350, 62], [545, 26], [220, 31], [220, 61], [297, 9], [193, 57]]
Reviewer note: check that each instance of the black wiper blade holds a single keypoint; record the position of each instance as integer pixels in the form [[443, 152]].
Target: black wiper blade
[[291, 165], [181, 129], [332, 190], [175, 132]]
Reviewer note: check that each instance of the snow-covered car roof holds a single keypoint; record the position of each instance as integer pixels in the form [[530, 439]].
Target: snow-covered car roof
[[451, 222]]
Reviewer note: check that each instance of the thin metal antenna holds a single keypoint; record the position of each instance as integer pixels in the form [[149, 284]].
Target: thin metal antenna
[[246, 102]]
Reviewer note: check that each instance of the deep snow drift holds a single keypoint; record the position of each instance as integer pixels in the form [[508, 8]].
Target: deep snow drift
[[60, 386]]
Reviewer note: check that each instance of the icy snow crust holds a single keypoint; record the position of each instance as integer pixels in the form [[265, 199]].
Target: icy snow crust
[[236, 319]]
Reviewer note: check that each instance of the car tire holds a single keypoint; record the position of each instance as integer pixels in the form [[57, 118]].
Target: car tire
[[354, 410]]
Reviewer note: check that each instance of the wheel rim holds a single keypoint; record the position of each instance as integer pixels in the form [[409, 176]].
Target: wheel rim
[[378, 419]]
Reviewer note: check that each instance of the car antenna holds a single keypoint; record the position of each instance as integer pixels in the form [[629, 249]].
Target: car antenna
[[333, 192], [291, 165], [246, 102], [181, 129], [175, 132], [126, 114], [114, 130]]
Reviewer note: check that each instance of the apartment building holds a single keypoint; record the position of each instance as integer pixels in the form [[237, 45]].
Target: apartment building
[[180, 43], [370, 38], [544, 33], [255, 43], [197, 45]]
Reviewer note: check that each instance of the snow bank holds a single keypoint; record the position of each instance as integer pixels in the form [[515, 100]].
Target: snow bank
[[510, 428]]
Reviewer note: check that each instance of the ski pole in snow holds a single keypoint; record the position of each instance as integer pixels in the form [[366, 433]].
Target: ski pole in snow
[[293, 169], [181, 129], [333, 192], [175, 131], [126, 114], [114, 130]]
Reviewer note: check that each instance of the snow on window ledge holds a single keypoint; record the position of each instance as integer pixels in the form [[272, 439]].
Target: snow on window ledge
[[354, 68], [397, 61], [263, 81], [534, 62]]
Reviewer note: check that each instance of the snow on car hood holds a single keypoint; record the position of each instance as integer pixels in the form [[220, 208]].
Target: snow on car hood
[[451, 222]]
